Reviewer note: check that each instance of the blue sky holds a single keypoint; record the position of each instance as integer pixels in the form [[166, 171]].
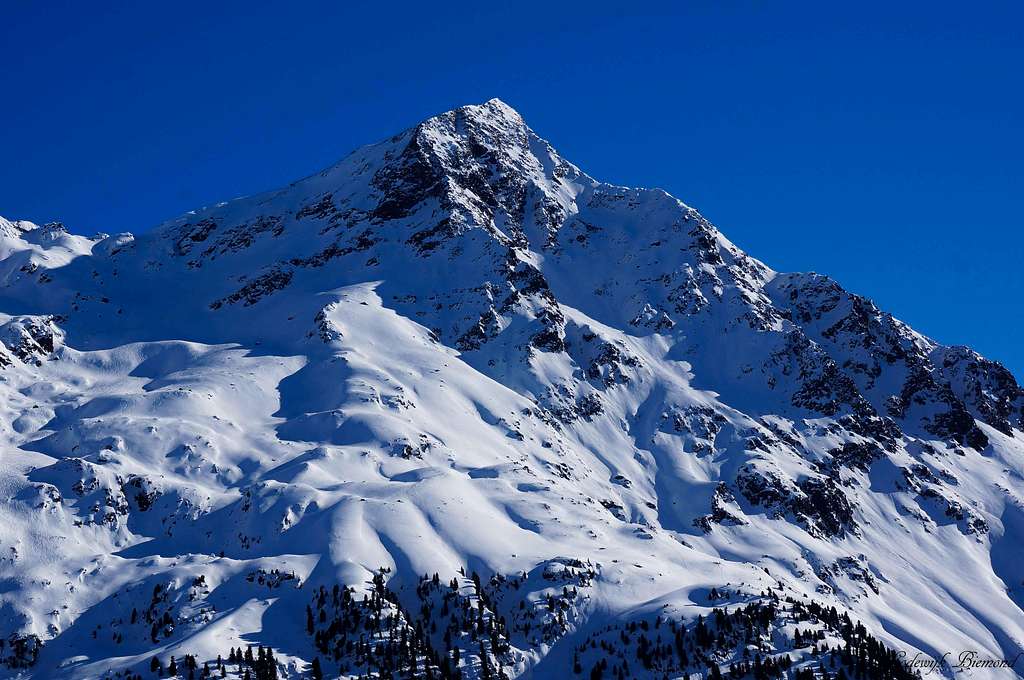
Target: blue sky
[[879, 143]]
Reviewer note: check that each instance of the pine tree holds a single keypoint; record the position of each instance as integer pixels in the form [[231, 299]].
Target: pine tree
[[318, 673]]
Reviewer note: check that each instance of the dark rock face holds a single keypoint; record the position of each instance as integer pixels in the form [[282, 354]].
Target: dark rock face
[[31, 338], [856, 455], [472, 182], [190, 234], [412, 179], [942, 390], [142, 491], [487, 327], [20, 651], [257, 289], [938, 495], [322, 208], [986, 388], [826, 505], [958, 425], [819, 504], [720, 513]]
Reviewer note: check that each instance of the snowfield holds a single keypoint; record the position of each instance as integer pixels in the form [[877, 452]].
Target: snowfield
[[624, 447]]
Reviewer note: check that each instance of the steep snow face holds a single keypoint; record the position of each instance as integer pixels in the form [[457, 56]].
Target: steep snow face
[[454, 352]]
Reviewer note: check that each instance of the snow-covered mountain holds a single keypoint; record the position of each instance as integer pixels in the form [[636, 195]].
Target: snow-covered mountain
[[453, 408]]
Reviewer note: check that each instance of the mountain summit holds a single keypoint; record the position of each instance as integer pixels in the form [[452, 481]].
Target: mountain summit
[[451, 408]]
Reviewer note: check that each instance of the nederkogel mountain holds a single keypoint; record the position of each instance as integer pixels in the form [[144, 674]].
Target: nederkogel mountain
[[453, 408]]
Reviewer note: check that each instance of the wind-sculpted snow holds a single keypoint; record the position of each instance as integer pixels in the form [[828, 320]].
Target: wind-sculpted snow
[[452, 408]]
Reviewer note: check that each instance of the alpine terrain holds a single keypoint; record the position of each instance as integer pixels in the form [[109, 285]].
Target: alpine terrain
[[452, 408]]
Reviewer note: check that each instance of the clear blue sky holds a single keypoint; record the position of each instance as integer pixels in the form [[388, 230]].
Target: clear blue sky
[[881, 144]]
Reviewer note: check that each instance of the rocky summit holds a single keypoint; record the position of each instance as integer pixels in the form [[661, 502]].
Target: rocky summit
[[452, 408]]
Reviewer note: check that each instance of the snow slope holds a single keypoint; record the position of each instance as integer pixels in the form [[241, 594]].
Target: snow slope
[[455, 352]]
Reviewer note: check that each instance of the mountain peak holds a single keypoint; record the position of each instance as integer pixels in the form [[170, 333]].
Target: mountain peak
[[15, 229], [493, 108], [491, 112], [488, 126], [454, 351], [481, 163]]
